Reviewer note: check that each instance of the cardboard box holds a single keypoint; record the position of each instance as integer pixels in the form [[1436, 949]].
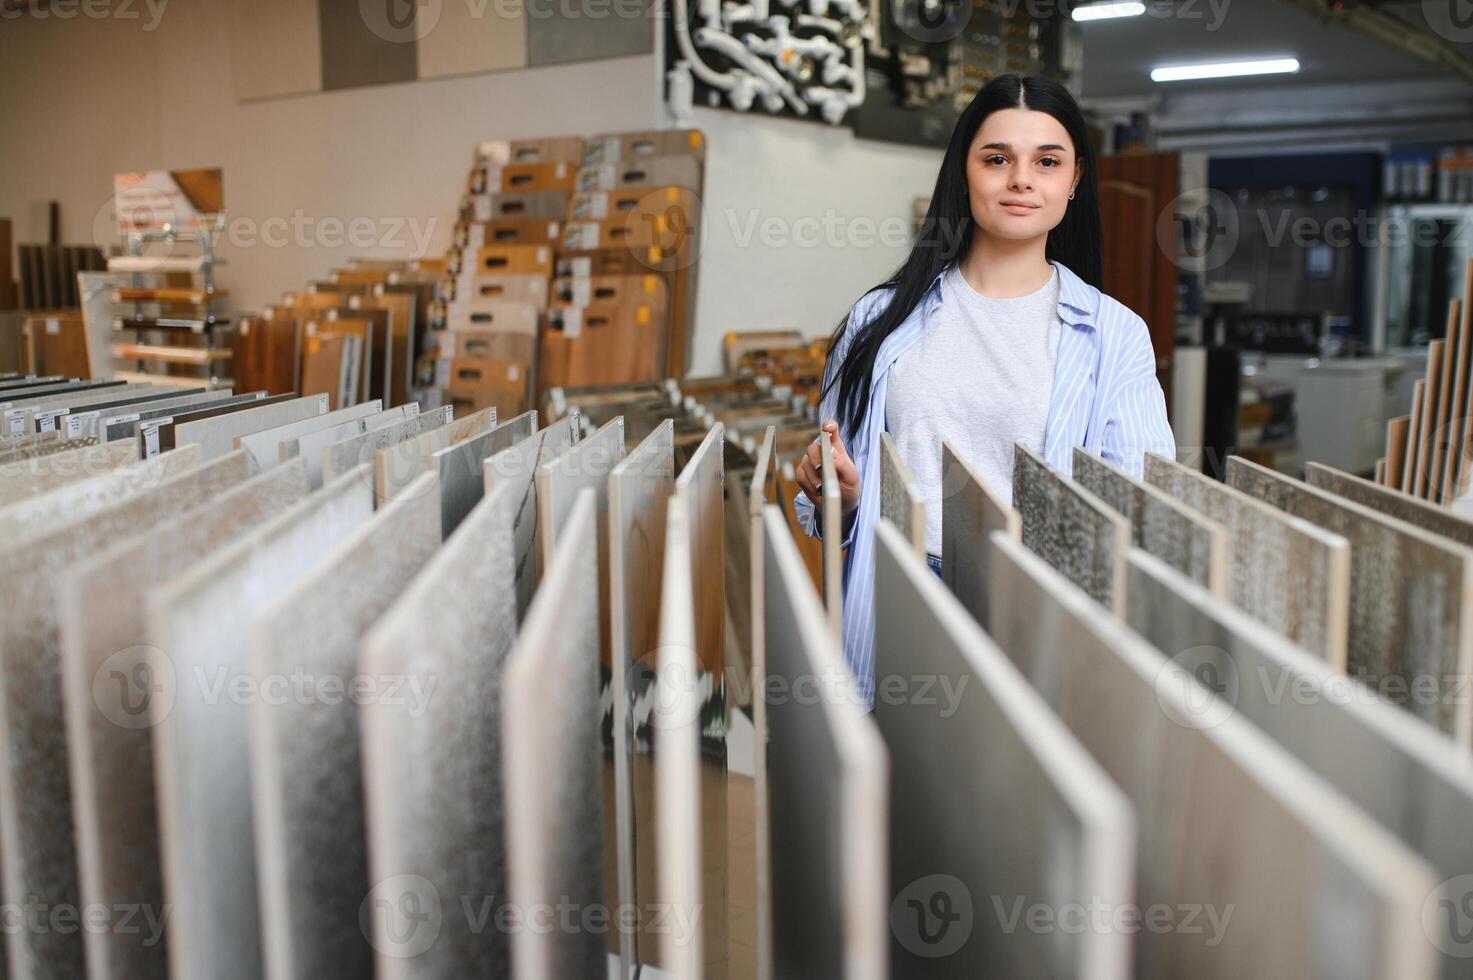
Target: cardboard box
[[519, 177], [516, 204], [493, 314], [511, 289], [683, 171], [514, 260], [552, 149], [507, 231]]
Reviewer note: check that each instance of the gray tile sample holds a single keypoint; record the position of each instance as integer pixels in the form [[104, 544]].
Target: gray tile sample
[[216, 436], [1072, 529], [1058, 832], [41, 413], [1411, 597], [107, 691], [831, 515], [828, 776], [462, 481], [436, 832], [1226, 819], [559, 35], [93, 422], [349, 454], [639, 489], [676, 721], [395, 466], [36, 829], [39, 515], [1399, 771], [126, 426], [29, 477], [364, 45], [198, 627], [1392, 503], [1285, 572], [311, 444], [554, 781], [1193, 544], [901, 501], [519, 465], [306, 763], [970, 512], [265, 445]]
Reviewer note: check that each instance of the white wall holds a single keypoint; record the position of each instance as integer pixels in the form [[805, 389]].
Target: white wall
[[85, 99]]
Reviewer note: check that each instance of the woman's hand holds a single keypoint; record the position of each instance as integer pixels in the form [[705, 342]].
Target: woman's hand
[[810, 471]]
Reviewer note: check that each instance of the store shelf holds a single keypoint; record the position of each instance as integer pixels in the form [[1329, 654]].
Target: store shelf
[[171, 355], [195, 325], [191, 297], [160, 263]]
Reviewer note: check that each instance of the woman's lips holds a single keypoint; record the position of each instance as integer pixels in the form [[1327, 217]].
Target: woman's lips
[[1020, 208]]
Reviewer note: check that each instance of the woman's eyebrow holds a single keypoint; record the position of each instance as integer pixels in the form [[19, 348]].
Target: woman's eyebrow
[[1009, 146]]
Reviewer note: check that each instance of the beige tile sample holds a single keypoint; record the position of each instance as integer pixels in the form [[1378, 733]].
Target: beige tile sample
[[395, 466], [1185, 539], [1399, 771], [1226, 819], [305, 758], [553, 782], [1071, 529], [702, 483], [36, 826], [198, 627], [901, 501], [216, 435], [519, 465], [1411, 596], [831, 514], [265, 445], [107, 689], [1058, 830], [29, 477], [970, 512], [828, 775], [1289, 574], [348, 454]]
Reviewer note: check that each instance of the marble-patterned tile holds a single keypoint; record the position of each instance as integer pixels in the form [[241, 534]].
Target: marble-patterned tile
[[1411, 598], [551, 712], [306, 762], [107, 689], [311, 443], [1289, 877], [459, 465], [265, 445], [348, 454], [1058, 831], [198, 629], [829, 786], [396, 466], [28, 477], [36, 825], [970, 512], [1285, 572], [216, 434], [1185, 539], [1399, 771], [1071, 529], [901, 501]]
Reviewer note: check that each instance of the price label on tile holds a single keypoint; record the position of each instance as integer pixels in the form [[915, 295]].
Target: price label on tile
[[53, 326]]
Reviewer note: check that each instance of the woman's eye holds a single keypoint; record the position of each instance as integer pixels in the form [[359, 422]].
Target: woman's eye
[[997, 158], [1049, 161]]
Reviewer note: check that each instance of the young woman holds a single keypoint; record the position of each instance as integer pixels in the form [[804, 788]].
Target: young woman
[[994, 331]]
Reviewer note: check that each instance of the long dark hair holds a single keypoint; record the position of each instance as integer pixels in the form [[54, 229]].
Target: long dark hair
[[946, 232]]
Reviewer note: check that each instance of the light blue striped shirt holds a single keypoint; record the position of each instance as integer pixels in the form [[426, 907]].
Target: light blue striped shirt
[[1105, 398]]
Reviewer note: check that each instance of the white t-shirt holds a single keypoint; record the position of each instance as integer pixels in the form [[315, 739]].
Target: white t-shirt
[[980, 378]]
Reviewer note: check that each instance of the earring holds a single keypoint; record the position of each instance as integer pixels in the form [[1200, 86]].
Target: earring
[[1071, 195]]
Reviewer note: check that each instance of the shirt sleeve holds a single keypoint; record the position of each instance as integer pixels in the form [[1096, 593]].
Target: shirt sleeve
[[1135, 421], [828, 408]]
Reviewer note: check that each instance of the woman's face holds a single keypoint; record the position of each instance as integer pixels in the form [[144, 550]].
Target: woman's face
[[1021, 168]]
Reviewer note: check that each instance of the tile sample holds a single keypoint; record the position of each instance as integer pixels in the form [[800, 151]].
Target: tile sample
[[1058, 831], [901, 501], [199, 629], [676, 724], [1392, 503], [437, 832], [828, 775], [1396, 445], [702, 483], [1426, 434], [127, 426], [762, 494], [639, 490], [1072, 529], [348, 454], [1194, 545], [216, 436], [305, 757], [396, 465], [265, 445], [107, 689], [519, 465], [1409, 457], [1225, 818], [559, 35], [311, 444], [1287, 573], [462, 41], [36, 828], [1411, 596], [29, 477], [459, 465], [39, 515], [831, 514], [553, 782], [1396, 769], [970, 512]]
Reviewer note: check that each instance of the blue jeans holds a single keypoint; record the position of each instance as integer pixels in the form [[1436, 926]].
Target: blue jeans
[[935, 564]]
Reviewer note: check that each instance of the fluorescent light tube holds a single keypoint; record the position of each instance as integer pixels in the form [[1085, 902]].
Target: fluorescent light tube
[[1108, 10], [1226, 69]]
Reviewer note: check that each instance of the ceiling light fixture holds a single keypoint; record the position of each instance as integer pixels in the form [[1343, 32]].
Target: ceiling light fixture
[[1109, 10], [1225, 69]]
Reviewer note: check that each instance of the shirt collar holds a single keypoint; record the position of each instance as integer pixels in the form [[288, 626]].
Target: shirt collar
[[1078, 300]]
